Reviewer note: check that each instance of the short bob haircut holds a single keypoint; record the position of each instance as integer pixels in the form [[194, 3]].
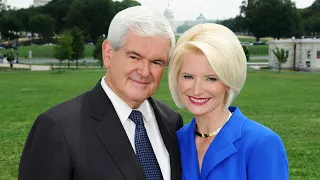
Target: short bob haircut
[[223, 51], [143, 21]]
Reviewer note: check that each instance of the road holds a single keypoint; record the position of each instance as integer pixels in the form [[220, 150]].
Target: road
[[90, 60]]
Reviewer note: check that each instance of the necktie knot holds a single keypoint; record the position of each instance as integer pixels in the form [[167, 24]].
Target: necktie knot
[[136, 117]]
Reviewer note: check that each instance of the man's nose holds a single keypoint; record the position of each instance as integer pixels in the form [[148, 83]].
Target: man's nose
[[144, 69]]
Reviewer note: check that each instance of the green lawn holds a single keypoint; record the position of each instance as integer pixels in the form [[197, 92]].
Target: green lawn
[[44, 51], [288, 103], [259, 50], [47, 52]]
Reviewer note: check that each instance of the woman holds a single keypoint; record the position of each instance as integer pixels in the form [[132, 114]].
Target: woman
[[207, 71]]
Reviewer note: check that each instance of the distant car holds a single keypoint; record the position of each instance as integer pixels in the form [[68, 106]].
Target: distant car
[[48, 44], [259, 43], [246, 43], [90, 44], [2, 47]]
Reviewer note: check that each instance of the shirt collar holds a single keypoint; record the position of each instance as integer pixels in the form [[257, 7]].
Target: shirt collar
[[122, 109]]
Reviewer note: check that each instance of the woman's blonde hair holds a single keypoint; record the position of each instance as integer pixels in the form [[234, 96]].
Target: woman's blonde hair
[[223, 51]]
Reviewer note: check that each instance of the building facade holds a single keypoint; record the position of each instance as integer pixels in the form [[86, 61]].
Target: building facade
[[37, 3], [303, 54]]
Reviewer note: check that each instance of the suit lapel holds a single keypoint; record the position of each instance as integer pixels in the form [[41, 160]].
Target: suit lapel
[[222, 146], [112, 134], [170, 140]]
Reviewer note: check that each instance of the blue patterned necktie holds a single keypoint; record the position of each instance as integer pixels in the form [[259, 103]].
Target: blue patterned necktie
[[144, 151]]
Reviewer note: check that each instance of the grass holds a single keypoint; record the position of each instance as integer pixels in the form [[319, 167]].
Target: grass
[[288, 103], [259, 50], [252, 39], [47, 52], [258, 60]]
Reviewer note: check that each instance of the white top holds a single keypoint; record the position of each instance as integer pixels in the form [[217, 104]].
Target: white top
[[123, 111]]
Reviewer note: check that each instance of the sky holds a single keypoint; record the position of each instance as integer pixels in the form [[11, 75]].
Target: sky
[[187, 9]]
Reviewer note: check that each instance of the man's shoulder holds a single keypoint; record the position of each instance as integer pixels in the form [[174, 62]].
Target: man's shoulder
[[70, 107], [171, 115], [163, 106]]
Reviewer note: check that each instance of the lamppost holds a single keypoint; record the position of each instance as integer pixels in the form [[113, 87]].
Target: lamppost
[[294, 53]]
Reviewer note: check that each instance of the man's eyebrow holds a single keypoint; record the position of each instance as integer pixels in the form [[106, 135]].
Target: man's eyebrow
[[134, 53]]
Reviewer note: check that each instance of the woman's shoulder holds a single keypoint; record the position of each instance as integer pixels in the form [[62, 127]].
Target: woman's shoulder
[[185, 129], [254, 134]]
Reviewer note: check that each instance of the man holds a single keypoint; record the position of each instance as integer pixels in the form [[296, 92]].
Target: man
[[116, 130]]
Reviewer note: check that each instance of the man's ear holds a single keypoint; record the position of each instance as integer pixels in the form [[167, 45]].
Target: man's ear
[[106, 53]]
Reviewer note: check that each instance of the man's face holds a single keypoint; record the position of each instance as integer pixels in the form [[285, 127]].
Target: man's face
[[134, 71]]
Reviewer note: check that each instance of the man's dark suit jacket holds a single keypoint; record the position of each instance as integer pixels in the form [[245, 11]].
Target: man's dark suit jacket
[[83, 139]]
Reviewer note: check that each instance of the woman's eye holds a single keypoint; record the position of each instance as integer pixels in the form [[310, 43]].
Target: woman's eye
[[212, 79], [187, 77]]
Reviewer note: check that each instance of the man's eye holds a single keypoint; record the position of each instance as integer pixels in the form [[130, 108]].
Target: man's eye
[[134, 57], [160, 63]]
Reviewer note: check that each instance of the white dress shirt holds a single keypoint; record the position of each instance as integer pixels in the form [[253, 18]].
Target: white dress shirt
[[123, 111]]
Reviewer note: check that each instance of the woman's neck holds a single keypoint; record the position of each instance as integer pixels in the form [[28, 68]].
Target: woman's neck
[[210, 122]]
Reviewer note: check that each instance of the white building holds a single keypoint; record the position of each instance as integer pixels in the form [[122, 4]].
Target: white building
[[169, 14], [303, 54], [37, 3]]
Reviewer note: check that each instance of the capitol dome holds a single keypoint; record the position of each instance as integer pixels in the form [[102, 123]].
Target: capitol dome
[[168, 13]]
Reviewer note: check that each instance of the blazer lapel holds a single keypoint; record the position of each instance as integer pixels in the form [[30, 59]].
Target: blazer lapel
[[189, 154], [222, 146], [170, 140], [112, 134]]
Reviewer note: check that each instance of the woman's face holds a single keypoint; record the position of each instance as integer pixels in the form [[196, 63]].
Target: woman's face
[[199, 88]]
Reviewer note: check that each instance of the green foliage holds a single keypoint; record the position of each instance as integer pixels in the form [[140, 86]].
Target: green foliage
[[77, 44], [58, 9], [311, 18], [97, 51], [63, 49], [94, 16], [275, 18], [10, 24], [183, 28], [125, 4], [246, 51], [10, 56], [282, 56], [42, 24], [235, 24]]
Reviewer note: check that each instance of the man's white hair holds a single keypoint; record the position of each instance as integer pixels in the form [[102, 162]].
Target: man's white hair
[[143, 21]]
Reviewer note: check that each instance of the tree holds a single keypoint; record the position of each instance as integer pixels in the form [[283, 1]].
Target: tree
[[281, 55], [183, 28], [42, 24], [63, 49], [276, 18], [77, 44], [58, 9], [235, 24], [97, 51], [119, 6], [246, 51], [10, 24], [95, 18], [3, 5], [10, 57], [311, 18]]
